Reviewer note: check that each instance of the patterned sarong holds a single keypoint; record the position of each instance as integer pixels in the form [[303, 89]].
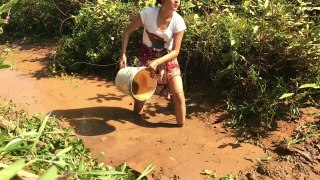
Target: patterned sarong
[[164, 72]]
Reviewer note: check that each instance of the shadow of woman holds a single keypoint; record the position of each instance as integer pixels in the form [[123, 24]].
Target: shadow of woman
[[93, 121]]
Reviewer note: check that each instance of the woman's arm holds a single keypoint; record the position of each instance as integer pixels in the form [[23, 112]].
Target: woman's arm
[[135, 24], [177, 39]]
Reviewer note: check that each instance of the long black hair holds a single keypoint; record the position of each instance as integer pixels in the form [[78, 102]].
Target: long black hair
[[158, 2]]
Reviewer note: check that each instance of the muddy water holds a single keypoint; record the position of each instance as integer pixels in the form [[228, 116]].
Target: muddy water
[[143, 85], [102, 116]]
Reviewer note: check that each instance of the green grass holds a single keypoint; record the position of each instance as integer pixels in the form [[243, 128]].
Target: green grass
[[39, 146]]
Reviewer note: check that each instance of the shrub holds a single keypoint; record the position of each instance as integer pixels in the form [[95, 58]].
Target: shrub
[[42, 18], [96, 36], [4, 8], [255, 52]]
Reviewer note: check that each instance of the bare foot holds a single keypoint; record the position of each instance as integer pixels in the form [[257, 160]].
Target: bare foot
[[180, 125]]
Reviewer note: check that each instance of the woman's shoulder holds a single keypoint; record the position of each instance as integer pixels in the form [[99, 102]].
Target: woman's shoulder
[[151, 9], [178, 17], [178, 23]]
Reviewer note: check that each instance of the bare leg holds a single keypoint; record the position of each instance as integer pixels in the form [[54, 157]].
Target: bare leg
[[138, 106], [176, 88]]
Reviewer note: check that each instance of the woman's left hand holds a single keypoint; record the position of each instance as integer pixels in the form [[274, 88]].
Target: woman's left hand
[[153, 65]]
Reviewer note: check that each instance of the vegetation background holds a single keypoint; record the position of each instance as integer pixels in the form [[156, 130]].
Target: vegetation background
[[261, 56], [249, 52]]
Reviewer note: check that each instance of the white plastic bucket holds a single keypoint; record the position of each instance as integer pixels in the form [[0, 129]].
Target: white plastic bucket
[[136, 82]]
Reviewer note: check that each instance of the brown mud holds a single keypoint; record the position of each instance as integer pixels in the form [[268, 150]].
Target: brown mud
[[102, 116]]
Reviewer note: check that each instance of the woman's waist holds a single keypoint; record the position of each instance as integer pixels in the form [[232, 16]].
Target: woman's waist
[[154, 48]]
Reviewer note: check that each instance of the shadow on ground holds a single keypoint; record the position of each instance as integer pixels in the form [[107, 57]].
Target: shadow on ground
[[95, 120]]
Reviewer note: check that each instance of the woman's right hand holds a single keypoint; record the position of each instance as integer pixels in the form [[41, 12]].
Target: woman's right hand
[[123, 61]]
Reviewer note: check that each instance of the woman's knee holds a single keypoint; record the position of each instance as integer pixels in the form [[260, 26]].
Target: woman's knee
[[178, 97], [176, 88], [176, 84]]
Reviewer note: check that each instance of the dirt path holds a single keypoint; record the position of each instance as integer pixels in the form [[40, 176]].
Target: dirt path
[[102, 116]]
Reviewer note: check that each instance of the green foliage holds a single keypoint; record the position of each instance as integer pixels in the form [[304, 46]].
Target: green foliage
[[42, 18], [96, 37], [305, 93], [3, 64], [229, 176], [10, 171], [252, 51], [49, 149], [4, 8], [51, 173], [3, 56], [309, 132]]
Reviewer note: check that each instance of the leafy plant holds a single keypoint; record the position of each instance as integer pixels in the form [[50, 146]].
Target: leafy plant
[[41, 18], [96, 37], [255, 53], [49, 150], [305, 132], [4, 8], [229, 176], [4, 64], [302, 94]]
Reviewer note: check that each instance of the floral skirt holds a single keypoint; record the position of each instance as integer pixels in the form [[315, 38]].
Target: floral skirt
[[164, 72]]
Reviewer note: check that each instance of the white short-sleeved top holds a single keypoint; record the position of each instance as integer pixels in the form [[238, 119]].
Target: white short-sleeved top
[[153, 36]]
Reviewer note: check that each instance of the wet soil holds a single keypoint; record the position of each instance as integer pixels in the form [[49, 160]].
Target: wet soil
[[102, 116]]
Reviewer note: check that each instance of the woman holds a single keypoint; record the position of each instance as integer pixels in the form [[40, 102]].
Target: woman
[[162, 36]]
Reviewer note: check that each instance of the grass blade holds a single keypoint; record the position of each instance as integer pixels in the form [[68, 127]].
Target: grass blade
[[103, 173], [3, 136], [12, 170], [64, 151], [12, 145], [146, 171], [81, 166], [43, 125], [50, 174], [109, 178], [315, 86], [285, 95], [123, 167], [60, 163]]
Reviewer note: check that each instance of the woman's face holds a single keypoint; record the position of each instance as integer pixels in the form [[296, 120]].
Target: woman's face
[[171, 4]]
